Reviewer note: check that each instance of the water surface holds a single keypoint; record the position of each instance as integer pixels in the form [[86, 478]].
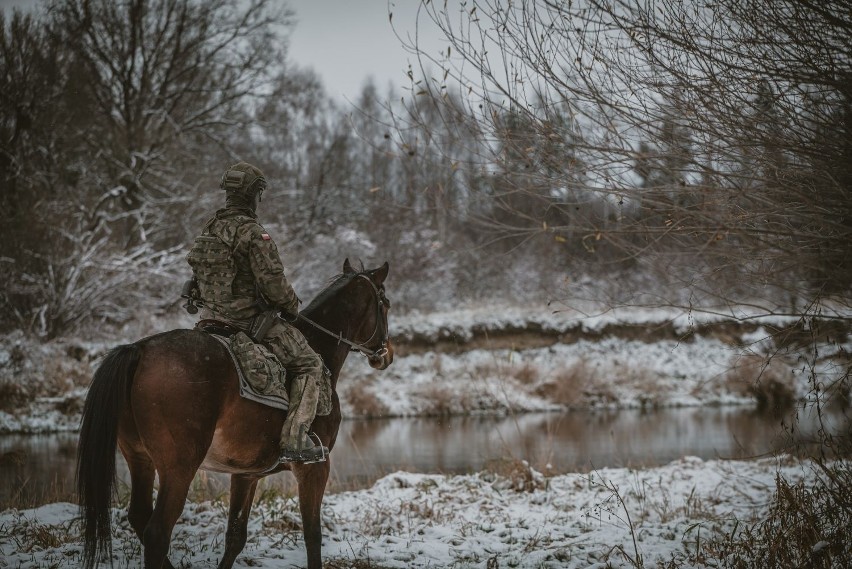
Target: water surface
[[35, 469]]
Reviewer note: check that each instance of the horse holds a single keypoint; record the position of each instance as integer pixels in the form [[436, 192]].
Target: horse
[[171, 404]]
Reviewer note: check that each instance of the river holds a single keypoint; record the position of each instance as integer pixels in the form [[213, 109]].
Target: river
[[35, 469]]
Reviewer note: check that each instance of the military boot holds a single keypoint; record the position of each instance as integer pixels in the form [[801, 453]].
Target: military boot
[[296, 444], [302, 448]]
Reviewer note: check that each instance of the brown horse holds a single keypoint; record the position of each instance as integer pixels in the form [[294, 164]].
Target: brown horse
[[171, 403]]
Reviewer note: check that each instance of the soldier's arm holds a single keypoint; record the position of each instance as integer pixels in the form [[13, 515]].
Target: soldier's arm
[[268, 271]]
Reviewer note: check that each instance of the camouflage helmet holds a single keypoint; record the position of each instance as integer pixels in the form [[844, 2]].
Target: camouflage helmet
[[243, 178]]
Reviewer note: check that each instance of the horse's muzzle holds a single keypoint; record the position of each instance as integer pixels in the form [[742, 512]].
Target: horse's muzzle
[[383, 359]]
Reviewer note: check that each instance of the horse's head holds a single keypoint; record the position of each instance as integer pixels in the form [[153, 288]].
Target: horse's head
[[367, 290]]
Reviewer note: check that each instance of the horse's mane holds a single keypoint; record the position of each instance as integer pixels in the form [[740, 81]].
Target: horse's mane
[[336, 283]]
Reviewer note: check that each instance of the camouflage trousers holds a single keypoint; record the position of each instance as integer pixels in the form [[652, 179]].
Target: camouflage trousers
[[304, 373]]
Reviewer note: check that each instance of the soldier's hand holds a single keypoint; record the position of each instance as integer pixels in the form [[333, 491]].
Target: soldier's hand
[[288, 316]]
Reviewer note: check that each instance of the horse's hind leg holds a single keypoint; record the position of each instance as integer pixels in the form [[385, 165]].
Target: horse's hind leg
[[141, 489], [174, 487], [141, 495], [242, 495]]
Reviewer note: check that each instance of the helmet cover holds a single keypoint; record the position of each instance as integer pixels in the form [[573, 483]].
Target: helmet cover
[[243, 177]]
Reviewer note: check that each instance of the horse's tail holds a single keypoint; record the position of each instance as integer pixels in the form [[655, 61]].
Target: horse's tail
[[96, 476]]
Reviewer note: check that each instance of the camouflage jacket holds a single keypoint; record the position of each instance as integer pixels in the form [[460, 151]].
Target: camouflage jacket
[[233, 259]]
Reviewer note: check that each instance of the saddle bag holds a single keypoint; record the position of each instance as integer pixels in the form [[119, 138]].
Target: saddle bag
[[261, 369]]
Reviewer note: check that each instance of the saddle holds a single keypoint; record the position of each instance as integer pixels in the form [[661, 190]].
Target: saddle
[[262, 377], [217, 327]]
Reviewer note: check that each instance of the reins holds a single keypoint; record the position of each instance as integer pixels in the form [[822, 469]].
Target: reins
[[353, 346]]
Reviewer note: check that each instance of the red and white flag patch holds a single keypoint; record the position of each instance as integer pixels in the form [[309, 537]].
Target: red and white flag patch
[[265, 236]]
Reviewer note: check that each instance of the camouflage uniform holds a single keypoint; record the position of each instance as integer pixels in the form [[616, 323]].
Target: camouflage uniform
[[233, 260]]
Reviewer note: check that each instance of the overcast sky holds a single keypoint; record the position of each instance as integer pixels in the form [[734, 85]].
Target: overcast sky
[[345, 41]]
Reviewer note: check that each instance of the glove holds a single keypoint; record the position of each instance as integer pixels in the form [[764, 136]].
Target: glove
[[288, 316]]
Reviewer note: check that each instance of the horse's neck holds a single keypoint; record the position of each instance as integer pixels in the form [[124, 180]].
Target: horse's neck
[[331, 350], [333, 354]]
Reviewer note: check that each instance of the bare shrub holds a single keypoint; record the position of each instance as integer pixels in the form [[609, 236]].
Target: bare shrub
[[515, 474], [765, 379], [441, 401], [364, 401], [526, 374], [13, 395], [70, 404], [806, 526], [63, 374], [647, 384], [577, 385]]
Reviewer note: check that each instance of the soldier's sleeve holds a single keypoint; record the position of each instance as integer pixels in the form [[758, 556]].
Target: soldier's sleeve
[[268, 270]]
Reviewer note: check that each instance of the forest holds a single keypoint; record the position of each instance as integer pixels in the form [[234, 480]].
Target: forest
[[686, 156]]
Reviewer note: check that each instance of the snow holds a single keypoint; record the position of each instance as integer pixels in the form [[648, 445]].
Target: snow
[[596, 357], [495, 359], [557, 318], [612, 373], [470, 361], [520, 518]]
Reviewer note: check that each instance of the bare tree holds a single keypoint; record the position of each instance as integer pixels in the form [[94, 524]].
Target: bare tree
[[165, 80], [112, 113], [714, 139]]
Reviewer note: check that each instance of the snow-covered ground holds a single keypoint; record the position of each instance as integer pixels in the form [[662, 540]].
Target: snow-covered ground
[[517, 518]]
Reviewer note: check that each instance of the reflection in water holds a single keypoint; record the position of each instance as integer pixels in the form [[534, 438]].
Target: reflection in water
[[39, 468]]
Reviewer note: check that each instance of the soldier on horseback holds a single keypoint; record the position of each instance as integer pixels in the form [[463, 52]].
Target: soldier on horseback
[[241, 281]]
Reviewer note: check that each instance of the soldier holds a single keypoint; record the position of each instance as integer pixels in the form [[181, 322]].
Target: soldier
[[240, 277]]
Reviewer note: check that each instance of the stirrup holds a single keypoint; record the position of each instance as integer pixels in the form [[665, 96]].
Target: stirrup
[[305, 455]]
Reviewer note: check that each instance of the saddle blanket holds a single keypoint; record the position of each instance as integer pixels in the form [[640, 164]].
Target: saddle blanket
[[262, 377]]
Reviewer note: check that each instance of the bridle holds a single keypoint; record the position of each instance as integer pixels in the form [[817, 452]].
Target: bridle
[[382, 350]]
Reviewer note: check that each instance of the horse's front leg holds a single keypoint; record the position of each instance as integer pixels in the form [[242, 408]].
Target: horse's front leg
[[242, 495], [312, 479]]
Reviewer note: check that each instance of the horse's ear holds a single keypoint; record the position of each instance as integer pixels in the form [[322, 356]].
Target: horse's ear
[[380, 274], [347, 268]]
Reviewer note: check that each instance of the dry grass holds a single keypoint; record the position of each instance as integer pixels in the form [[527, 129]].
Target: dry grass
[[569, 386], [526, 374], [343, 563], [647, 383], [206, 487], [13, 395], [807, 525], [363, 401], [33, 536], [441, 401], [767, 380], [49, 370], [28, 495], [577, 386], [62, 374], [516, 474]]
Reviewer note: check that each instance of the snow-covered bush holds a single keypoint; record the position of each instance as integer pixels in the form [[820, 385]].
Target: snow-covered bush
[[83, 280]]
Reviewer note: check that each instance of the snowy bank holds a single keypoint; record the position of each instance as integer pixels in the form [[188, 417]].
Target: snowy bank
[[514, 518], [498, 360]]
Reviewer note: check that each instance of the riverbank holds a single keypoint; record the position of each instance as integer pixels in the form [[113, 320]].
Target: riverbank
[[500, 360], [512, 517], [489, 362]]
